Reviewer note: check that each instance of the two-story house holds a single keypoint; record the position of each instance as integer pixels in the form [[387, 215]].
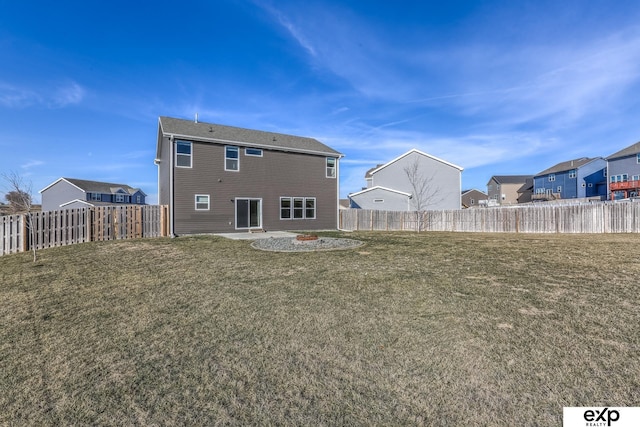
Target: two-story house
[[473, 198], [412, 181], [623, 170], [504, 190], [68, 193], [578, 178], [219, 178]]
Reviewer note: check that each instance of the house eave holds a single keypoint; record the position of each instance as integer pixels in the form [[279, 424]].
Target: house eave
[[253, 144]]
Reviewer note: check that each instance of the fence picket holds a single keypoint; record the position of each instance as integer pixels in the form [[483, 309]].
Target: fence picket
[[585, 218], [70, 226]]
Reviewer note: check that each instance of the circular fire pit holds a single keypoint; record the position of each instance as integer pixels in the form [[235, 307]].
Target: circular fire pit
[[306, 237]]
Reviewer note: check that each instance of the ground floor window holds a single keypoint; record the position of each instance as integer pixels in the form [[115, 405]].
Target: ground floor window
[[297, 208], [202, 202]]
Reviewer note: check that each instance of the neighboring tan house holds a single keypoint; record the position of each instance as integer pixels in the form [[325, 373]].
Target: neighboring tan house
[[390, 188], [68, 193], [473, 198], [573, 179], [219, 178], [623, 170], [502, 190]]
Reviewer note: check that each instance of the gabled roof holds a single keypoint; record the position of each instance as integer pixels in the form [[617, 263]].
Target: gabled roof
[[510, 179], [629, 151], [568, 165], [370, 172], [96, 186], [377, 187], [473, 189], [527, 186], [221, 134]]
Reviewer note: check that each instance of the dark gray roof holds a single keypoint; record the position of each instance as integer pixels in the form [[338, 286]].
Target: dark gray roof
[[368, 173], [629, 151], [209, 132], [101, 187], [511, 179], [568, 165], [527, 186]]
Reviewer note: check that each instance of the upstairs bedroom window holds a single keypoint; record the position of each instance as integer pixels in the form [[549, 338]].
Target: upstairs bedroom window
[[231, 158], [183, 154], [331, 167]]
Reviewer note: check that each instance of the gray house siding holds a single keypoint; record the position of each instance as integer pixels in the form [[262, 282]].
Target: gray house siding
[[268, 178], [624, 165], [444, 180], [59, 193], [380, 199]]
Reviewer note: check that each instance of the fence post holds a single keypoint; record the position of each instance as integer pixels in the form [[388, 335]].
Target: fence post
[[25, 236]]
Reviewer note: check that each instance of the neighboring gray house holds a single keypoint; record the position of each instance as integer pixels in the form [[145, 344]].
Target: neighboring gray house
[[68, 193], [223, 179], [389, 186], [503, 190], [473, 198], [623, 170]]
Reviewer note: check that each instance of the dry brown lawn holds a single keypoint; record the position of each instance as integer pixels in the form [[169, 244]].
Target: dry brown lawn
[[418, 329]]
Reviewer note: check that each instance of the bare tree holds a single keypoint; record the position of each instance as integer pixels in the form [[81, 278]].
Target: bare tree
[[424, 191], [20, 202]]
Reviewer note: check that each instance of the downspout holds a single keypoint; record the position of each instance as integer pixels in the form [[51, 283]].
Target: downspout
[[338, 192], [171, 184]]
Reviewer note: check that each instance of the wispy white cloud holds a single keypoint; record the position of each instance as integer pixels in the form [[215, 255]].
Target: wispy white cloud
[[59, 96], [294, 30], [68, 94], [32, 163]]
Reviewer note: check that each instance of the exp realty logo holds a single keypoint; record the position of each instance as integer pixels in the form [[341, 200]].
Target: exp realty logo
[[600, 417]]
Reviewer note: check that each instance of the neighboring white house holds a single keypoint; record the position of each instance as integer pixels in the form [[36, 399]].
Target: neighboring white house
[[389, 186]]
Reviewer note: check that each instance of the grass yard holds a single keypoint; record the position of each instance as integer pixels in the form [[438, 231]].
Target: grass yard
[[418, 329]]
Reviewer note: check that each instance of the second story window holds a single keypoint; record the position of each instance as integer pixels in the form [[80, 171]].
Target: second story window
[[95, 197], [256, 152], [638, 158], [572, 173], [331, 167], [552, 177], [119, 198], [183, 154], [231, 158]]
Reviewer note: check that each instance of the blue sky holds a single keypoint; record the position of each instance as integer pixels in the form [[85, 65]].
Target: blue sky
[[496, 87]]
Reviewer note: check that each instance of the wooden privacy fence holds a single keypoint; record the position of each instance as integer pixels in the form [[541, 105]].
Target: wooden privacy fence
[[70, 226], [585, 218]]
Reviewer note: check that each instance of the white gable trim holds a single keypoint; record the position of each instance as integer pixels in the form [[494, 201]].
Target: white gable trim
[[77, 201], [57, 181], [414, 150], [377, 187]]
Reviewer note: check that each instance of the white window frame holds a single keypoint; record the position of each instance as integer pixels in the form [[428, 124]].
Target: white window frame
[[184, 155], [197, 202], [331, 169], [95, 197], [307, 208], [552, 177], [247, 149], [237, 159], [298, 206], [119, 198], [638, 158], [559, 189], [138, 199], [572, 173]]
